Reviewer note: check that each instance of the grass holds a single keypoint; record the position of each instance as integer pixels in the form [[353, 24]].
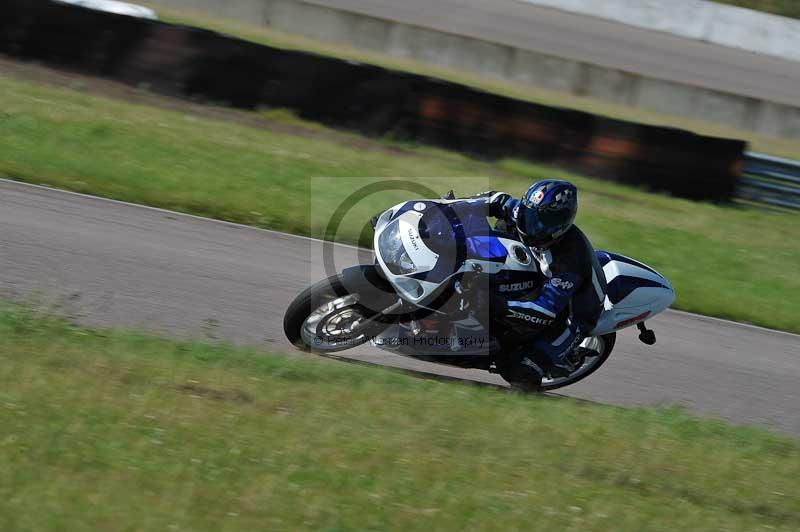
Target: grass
[[786, 8], [734, 262], [110, 430], [263, 35]]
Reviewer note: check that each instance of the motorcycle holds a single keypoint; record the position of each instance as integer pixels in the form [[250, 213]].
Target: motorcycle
[[424, 296]]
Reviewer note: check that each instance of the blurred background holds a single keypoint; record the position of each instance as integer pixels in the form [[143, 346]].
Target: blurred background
[[694, 100], [678, 121]]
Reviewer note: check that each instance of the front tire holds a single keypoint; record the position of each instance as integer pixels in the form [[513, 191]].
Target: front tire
[[325, 318]]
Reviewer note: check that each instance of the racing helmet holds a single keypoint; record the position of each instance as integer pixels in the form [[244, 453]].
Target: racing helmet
[[546, 212]]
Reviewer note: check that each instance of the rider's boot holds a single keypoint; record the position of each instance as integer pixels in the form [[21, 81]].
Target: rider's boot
[[521, 371], [562, 367], [561, 351]]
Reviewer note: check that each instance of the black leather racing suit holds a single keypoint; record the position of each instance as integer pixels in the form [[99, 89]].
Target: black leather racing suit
[[554, 318]]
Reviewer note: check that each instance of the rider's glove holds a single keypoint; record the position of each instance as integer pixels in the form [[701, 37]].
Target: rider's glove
[[499, 203]]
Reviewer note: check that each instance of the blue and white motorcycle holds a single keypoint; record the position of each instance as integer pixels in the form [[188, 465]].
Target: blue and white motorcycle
[[426, 294]]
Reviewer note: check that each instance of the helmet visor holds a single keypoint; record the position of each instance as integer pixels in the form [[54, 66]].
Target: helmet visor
[[535, 222]]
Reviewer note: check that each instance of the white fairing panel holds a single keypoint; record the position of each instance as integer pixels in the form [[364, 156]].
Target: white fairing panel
[[113, 6], [644, 293], [423, 258]]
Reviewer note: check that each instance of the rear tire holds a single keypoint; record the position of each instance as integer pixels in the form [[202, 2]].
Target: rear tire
[[609, 340], [520, 380]]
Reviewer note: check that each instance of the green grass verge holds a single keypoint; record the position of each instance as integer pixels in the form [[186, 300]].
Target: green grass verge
[[785, 8], [734, 262], [262, 35], [108, 430]]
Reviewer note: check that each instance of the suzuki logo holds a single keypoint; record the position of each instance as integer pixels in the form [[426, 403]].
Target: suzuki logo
[[413, 239], [516, 287]]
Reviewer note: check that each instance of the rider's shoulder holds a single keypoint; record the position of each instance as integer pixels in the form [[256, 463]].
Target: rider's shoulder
[[573, 238], [574, 247]]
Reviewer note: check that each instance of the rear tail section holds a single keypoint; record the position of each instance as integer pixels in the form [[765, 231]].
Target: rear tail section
[[634, 292]]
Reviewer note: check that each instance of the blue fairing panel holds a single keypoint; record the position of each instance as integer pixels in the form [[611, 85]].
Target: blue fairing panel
[[604, 257], [621, 286], [486, 248]]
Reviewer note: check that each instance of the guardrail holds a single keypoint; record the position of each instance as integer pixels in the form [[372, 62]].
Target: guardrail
[[772, 180]]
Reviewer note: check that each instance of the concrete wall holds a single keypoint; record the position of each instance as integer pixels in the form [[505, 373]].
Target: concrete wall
[[505, 62], [721, 24], [243, 10]]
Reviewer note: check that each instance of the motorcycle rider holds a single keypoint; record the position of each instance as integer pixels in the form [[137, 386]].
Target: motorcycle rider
[[554, 319]]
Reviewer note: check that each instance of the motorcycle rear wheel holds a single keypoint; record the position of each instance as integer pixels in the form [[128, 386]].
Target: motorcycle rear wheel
[[602, 345]]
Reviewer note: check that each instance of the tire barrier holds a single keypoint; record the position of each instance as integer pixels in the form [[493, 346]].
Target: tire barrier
[[207, 66]]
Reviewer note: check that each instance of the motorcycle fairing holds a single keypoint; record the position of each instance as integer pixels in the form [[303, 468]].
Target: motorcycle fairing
[[445, 238], [454, 237]]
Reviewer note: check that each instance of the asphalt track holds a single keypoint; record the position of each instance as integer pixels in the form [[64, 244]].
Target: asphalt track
[[593, 40], [107, 263]]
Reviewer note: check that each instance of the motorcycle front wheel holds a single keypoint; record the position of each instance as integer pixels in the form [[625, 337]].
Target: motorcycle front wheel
[[325, 318]]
